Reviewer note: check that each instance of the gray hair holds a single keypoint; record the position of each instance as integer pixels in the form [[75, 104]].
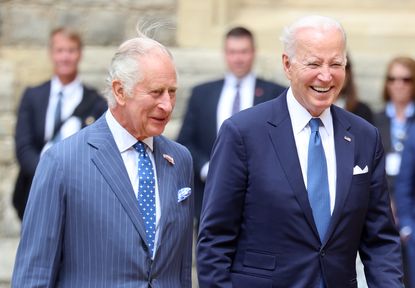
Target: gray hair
[[125, 65], [288, 36]]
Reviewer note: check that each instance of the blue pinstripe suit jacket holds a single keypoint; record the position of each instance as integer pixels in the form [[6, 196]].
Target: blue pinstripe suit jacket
[[82, 227]]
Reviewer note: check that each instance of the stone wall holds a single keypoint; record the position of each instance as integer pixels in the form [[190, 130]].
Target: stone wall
[[24, 31], [377, 31]]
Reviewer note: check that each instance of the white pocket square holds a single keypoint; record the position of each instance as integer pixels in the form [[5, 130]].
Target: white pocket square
[[183, 193], [357, 170]]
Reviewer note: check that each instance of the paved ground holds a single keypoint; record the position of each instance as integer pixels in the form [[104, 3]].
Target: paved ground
[[8, 248]]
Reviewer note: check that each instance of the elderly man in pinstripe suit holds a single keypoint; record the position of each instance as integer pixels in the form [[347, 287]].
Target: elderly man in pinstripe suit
[[111, 206]]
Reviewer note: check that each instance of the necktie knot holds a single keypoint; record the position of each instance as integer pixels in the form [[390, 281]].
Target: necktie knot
[[314, 124], [140, 148]]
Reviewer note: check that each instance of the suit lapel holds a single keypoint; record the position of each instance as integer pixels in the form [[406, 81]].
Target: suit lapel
[[212, 109], [282, 138], [344, 164], [110, 164], [42, 103], [259, 92], [165, 178]]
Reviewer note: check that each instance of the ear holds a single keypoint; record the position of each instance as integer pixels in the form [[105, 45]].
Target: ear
[[118, 92], [286, 64]]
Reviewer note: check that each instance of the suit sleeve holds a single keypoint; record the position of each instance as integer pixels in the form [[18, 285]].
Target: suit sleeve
[[380, 245], [27, 152], [38, 254], [222, 209], [188, 133], [405, 185]]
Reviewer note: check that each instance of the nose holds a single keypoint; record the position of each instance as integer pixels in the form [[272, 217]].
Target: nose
[[166, 102], [325, 74]]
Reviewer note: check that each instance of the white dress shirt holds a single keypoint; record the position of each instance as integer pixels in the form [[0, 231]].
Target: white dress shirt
[[227, 96], [72, 96], [301, 129], [225, 104], [125, 141]]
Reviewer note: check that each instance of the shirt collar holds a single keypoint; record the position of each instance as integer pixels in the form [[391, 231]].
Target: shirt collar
[[232, 80], [390, 110], [300, 116], [57, 86], [123, 139]]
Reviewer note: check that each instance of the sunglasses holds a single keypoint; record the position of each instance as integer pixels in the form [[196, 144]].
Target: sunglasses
[[403, 79]]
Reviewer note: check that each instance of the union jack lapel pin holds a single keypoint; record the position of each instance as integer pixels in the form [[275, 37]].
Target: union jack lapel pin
[[169, 159]]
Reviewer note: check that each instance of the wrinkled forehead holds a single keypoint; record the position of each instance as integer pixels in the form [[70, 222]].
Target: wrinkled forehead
[[324, 41]]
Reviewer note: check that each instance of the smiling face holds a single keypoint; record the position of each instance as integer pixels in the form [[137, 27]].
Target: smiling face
[[317, 70], [147, 111]]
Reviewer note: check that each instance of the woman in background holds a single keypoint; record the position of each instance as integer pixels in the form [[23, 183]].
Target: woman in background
[[393, 123]]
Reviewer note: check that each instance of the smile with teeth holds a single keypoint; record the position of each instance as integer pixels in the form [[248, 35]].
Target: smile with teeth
[[320, 89]]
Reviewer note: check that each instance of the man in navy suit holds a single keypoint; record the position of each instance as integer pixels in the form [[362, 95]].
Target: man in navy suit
[[405, 199], [266, 221], [213, 102], [112, 205], [39, 123]]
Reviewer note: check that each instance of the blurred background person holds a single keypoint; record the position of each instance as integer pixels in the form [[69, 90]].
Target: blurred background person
[[348, 98], [52, 110], [212, 103], [393, 123]]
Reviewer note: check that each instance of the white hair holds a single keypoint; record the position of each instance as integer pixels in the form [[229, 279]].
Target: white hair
[[125, 65], [288, 36]]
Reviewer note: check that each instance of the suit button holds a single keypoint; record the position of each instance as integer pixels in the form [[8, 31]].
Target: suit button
[[322, 253]]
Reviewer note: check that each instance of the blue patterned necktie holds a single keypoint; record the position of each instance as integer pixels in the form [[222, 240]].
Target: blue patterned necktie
[[317, 181], [146, 193], [236, 106]]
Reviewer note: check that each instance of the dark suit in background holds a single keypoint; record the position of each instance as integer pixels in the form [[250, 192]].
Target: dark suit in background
[[200, 123], [65, 51], [30, 133], [199, 129]]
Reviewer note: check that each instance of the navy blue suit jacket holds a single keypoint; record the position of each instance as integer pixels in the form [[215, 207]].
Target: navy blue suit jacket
[[30, 132], [199, 129], [257, 227], [405, 198]]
